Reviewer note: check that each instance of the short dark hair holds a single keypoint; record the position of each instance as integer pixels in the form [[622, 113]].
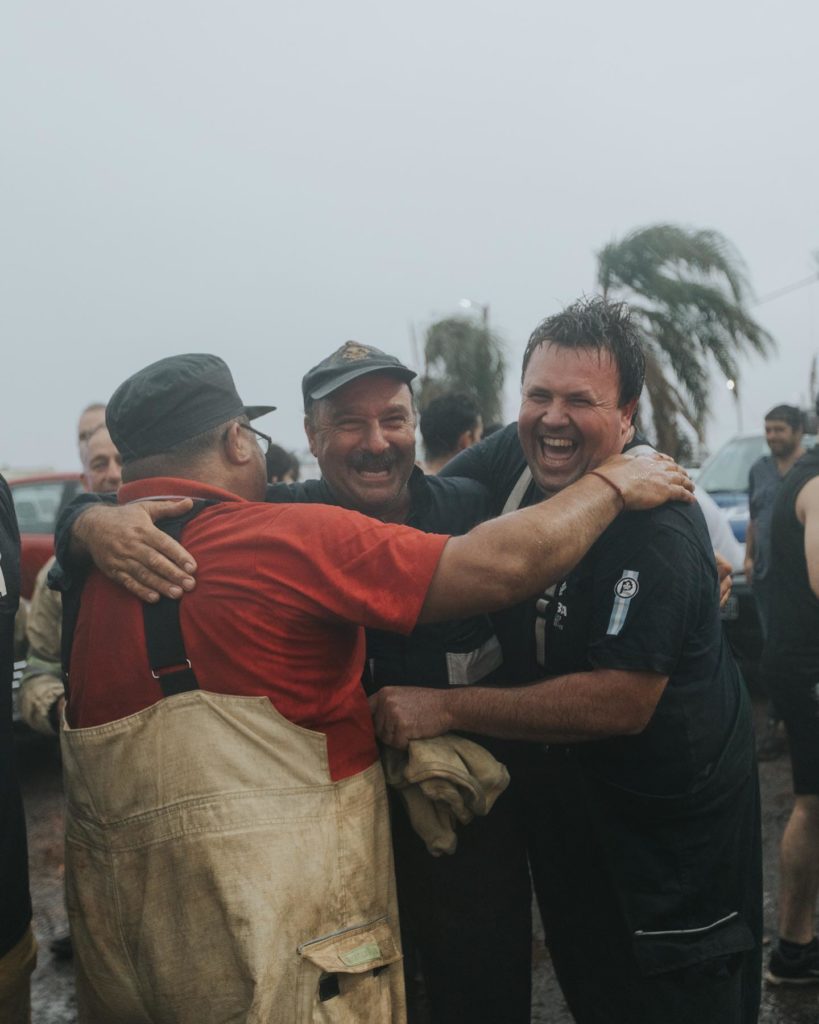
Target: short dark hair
[[280, 462], [445, 419], [787, 414], [596, 323]]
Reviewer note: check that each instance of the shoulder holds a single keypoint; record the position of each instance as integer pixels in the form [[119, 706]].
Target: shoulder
[[664, 529]]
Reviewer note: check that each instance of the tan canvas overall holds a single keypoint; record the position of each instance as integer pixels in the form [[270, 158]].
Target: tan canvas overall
[[215, 873]]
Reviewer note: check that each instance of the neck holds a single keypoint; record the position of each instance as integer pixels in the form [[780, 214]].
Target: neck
[[784, 463], [434, 466], [399, 511]]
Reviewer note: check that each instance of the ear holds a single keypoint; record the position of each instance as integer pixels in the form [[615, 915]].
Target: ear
[[237, 445], [311, 435], [627, 412], [465, 440]]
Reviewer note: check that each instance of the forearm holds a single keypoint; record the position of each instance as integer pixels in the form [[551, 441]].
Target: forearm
[[577, 708], [749, 542], [520, 554], [568, 709], [70, 536]]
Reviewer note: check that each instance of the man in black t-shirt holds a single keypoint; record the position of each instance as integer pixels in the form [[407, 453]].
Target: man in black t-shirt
[[18, 950], [643, 808], [793, 648]]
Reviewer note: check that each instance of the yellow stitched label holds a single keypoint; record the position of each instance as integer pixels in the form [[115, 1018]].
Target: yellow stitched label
[[361, 954]]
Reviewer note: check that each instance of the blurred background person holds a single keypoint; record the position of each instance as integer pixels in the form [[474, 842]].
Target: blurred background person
[[41, 698], [449, 424], [783, 432], [282, 466]]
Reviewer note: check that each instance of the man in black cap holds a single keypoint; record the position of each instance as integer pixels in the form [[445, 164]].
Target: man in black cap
[[360, 422], [253, 619]]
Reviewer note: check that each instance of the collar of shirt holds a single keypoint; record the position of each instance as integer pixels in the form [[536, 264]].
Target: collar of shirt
[[170, 487]]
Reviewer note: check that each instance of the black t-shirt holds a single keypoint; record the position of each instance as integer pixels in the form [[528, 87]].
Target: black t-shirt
[[646, 599], [670, 625], [793, 641], [15, 902]]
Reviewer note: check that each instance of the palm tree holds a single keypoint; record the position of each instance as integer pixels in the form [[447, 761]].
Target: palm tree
[[689, 291], [462, 354]]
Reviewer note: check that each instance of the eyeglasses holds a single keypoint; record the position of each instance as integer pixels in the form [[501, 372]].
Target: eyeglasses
[[264, 440]]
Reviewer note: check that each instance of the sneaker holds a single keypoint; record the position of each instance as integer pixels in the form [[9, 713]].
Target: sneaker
[[798, 970]]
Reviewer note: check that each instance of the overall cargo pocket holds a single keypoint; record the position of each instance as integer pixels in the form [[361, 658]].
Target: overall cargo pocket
[[713, 945], [352, 977]]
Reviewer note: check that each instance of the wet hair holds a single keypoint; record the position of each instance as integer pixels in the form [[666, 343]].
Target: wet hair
[[599, 324], [787, 414], [445, 419]]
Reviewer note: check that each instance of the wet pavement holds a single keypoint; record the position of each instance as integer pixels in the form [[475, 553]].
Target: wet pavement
[[53, 988]]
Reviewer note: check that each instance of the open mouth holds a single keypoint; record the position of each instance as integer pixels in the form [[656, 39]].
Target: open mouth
[[557, 449]]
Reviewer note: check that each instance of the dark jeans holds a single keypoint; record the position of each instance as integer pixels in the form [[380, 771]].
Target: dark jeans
[[468, 916], [625, 884]]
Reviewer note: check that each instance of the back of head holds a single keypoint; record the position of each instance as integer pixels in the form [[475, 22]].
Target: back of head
[[445, 420], [786, 414], [598, 324], [167, 416]]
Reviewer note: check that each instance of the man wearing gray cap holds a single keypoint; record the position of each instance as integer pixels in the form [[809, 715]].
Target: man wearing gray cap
[[248, 818]]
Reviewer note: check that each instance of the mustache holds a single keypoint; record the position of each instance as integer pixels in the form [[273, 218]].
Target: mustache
[[370, 463]]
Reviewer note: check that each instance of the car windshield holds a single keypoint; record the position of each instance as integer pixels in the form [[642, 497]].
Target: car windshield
[[727, 469]]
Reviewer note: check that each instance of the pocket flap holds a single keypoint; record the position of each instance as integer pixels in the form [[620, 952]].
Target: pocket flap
[[658, 952], [355, 950]]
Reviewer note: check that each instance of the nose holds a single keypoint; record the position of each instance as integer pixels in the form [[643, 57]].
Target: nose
[[555, 413], [375, 440]]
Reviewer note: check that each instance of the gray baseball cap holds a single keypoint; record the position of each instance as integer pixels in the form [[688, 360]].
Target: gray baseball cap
[[347, 363], [171, 401]]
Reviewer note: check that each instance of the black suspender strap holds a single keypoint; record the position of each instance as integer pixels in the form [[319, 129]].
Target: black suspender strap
[[169, 662]]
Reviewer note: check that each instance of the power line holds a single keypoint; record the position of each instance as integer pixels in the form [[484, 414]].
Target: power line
[[788, 288]]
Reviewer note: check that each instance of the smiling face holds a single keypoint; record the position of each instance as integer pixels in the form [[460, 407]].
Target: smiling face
[[570, 420], [102, 470], [363, 436], [782, 438]]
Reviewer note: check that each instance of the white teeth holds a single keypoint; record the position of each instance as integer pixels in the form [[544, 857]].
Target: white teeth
[[556, 442]]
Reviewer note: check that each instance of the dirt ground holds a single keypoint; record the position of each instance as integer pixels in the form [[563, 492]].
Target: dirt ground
[[53, 987]]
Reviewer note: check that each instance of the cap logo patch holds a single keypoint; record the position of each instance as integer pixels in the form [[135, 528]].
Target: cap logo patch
[[353, 351]]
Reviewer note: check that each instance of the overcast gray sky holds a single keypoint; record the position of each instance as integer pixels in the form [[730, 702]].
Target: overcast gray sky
[[265, 180]]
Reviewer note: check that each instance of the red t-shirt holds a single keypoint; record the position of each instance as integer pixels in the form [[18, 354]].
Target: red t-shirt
[[281, 594]]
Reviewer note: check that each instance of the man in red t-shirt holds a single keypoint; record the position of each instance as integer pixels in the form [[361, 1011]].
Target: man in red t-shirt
[[221, 772]]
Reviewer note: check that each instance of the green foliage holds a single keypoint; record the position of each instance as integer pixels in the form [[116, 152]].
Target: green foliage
[[462, 354], [690, 292]]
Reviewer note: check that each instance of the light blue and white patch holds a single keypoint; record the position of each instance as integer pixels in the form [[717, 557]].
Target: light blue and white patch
[[625, 589]]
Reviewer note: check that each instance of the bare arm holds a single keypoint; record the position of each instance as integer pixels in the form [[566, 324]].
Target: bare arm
[[125, 545], [749, 552], [575, 708], [517, 555], [807, 511]]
